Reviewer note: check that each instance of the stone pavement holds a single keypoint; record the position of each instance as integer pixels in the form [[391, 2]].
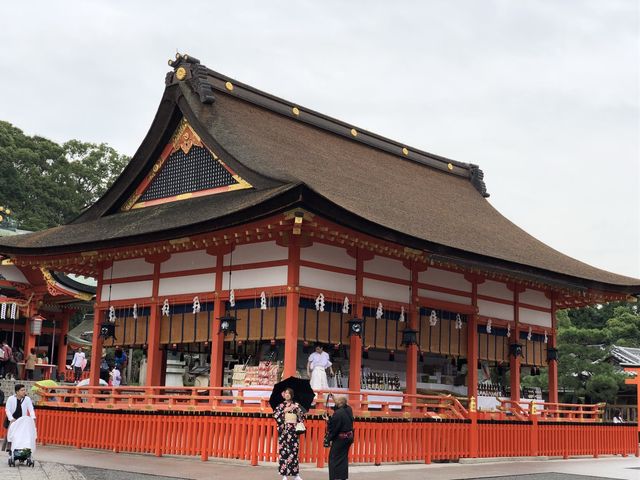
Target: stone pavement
[[57, 463], [42, 471]]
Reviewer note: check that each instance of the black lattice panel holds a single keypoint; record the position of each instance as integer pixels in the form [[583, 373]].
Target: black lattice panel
[[188, 173]]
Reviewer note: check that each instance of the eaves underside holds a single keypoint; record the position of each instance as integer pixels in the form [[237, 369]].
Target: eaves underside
[[301, 197]]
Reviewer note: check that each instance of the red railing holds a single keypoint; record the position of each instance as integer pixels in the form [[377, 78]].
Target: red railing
[[244, 399], [209, 423], [524, 410], [252, 436]]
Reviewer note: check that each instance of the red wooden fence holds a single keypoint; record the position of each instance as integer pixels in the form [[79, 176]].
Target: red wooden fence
[[252, 436]]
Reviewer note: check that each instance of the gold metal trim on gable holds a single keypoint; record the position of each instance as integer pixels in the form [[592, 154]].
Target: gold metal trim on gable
[[184, 138], [56, 289]]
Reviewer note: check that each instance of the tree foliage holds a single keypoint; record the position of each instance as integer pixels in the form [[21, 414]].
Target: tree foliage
[[585, 338], [46, 184]]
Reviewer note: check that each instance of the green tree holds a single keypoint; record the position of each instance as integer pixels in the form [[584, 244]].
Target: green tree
[[585, 338], [46, 184]]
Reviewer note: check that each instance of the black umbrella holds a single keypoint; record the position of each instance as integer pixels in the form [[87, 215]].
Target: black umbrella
[[302, 392]]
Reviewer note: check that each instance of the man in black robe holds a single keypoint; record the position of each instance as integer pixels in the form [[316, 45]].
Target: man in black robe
[[340, 434]]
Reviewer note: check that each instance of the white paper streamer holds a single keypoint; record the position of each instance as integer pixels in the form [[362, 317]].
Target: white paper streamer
[[320, 302], [433, 318], [345, 305], [232, 298], [263, 301], [196, 305]]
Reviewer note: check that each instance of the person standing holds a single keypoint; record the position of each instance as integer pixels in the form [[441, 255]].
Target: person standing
[[340, 434], [17, 406], [317, 368], [116, 378], [617, 416], [78, 363], [5, 358], [121, 359], [30, 364], [287, 415]]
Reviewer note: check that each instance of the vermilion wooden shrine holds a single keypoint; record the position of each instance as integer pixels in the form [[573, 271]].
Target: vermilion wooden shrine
[[258, 207]]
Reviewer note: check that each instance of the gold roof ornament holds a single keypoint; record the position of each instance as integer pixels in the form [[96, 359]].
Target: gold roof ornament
[[181, 73]]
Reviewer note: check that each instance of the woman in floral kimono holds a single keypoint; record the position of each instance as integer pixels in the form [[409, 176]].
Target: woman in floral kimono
[[288, 414]]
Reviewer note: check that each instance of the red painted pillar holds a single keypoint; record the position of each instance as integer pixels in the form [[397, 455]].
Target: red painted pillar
[[514, 360], [62, 346], [96, 339], [29, 341], [412, 350], [472, 344], [217, 338], [355, 341], [154, 354], [293, 309], [553, 364]]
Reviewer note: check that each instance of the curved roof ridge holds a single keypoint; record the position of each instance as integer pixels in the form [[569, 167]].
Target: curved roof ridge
[[204, 81]]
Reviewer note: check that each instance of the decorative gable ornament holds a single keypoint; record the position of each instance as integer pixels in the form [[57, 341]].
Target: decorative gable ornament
[[263, 301], [165, 308], [196, 305], [186, 168], [320, 302], [379, 311]]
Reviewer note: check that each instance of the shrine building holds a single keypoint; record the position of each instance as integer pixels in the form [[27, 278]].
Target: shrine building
[[292, 228]]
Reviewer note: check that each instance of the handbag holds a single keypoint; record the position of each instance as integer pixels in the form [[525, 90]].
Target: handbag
[[300, 428]]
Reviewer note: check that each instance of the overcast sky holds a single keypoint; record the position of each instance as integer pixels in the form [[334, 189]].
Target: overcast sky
[[543, 95]]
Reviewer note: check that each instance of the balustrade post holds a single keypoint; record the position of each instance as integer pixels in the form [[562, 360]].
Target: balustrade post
[[473, 429]]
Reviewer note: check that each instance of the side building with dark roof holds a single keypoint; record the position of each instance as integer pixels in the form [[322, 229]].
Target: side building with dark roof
[[296, 228]]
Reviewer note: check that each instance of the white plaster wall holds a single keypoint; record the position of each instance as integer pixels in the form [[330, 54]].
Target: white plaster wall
[[495, 310], [495, 289], [129, 268], [328, 255], [386, 290], [444, 278], [387, 266], [535, 297], [444, 296], [187, 284], [255, 278], [323, 280], [257, 252], [534, 317], [122, 291], [13, 274], [188, 261]]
